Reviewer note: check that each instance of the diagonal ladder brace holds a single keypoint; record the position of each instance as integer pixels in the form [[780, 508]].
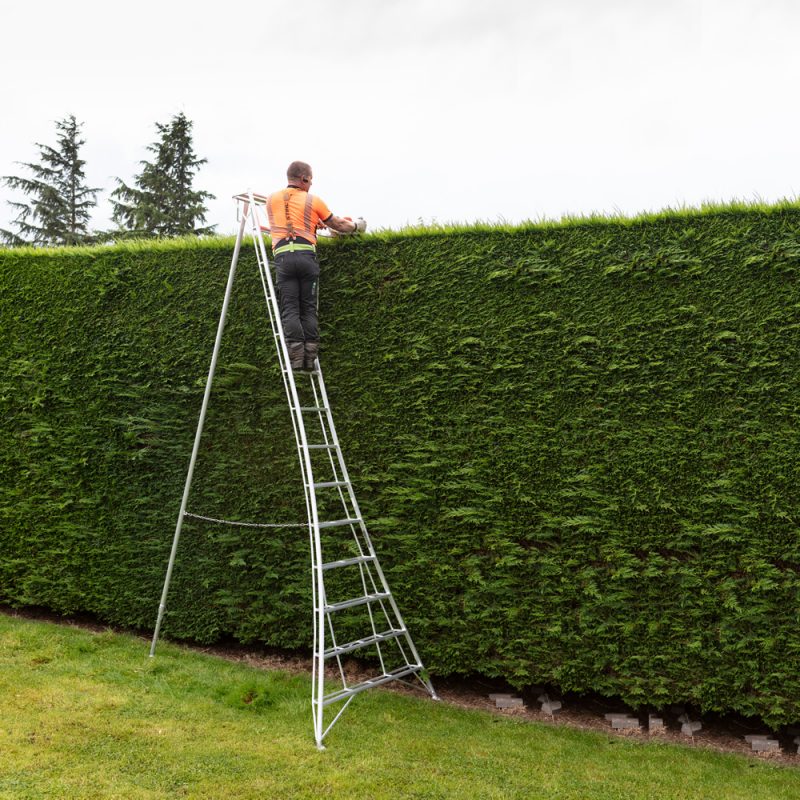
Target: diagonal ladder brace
[[384, 634]]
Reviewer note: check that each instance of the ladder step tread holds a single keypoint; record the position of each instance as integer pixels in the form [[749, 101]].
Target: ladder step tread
[[400, 672], [330, 484], [357, 601], [312, 408], [338, 522], [365, 642], [348, 562], [322, 447]]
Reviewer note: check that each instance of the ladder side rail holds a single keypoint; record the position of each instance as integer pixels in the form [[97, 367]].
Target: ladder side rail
[[198, 434], [273, 313], [330, 438], [399, 621], [338, 655], [372, 616], [375, 634], [325, 440], [342, 465], [318, 684], [368, 539], [359, 544], [318, 594], [296, 418], [346, 478], [273, 310], [359, 547], [321, 400], [393, 621], [275, 323], [320, 417]]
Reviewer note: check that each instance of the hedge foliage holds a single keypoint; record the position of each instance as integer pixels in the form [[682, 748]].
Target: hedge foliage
[[577, 446]]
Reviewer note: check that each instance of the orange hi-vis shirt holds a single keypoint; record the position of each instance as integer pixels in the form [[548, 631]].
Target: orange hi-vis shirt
[[293, 212]]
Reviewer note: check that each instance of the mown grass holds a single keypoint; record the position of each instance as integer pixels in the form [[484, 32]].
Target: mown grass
[[89, 715]]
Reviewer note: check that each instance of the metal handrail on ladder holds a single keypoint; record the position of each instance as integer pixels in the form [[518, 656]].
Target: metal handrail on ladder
[[387, 634]]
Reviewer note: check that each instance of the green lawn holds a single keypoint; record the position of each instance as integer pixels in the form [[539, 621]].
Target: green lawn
[[87, 715]]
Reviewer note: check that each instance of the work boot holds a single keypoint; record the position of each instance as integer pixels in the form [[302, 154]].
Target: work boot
[[296, 354], [311, 353]]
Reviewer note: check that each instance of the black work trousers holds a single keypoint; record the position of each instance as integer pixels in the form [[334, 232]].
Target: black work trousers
[[298, 283]]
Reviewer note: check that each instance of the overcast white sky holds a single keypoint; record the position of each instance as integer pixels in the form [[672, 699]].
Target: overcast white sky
[[440, 110]]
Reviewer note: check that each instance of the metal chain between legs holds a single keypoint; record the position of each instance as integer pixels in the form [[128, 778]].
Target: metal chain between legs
[[248, 524]]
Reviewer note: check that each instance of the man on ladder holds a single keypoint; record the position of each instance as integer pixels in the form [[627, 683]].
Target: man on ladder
[[294, 216]]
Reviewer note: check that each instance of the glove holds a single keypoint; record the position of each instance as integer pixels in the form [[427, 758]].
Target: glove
[[361, 225]]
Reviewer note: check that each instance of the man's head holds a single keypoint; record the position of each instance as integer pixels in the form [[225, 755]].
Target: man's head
[[299, 175]]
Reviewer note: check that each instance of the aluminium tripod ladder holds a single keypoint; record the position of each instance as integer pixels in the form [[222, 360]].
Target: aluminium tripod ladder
[[356, 594]]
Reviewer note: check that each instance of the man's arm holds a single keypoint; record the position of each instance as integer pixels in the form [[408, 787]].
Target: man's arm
[[342, 225]]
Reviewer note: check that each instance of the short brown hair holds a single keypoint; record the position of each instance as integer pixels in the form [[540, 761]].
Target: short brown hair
[[297, 169]]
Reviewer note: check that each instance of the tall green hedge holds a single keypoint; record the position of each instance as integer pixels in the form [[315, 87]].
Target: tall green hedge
[[577, 446]]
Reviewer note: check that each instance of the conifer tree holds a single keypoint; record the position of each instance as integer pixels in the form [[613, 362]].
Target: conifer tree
[[162, 202], [60, 202]]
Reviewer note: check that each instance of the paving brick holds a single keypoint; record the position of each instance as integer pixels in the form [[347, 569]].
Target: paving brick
[[753, 737], [500, 696], [509, 702], [690, 728], [766, 745], [655, 723], [551, 707], [618, 715]]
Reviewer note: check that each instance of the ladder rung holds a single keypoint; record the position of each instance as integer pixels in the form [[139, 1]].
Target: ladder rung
[[347, 562], [322, 447], [401, 672], [337, 522], [357, 601], [366, 642], [330, 484], [312, 408]]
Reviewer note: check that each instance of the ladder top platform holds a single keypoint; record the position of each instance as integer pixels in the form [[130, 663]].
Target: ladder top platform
[[258, 199]]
